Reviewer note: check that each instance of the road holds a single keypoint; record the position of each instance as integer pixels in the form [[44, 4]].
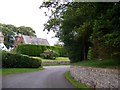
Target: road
[[51, 77], [0, 81]]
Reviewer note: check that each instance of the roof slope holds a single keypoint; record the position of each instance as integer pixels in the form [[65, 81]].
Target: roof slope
[[34, 40]]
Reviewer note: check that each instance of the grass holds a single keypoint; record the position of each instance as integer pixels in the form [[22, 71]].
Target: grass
[[6, 71], [0, 71], [100, 63], [56, 65], [63, 58], [50, 60], [75, 83]]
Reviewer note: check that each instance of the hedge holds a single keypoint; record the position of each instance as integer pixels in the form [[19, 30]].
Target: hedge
[[36, 50], [10, 60]]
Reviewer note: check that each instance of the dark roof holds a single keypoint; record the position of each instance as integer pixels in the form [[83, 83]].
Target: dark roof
[[34, 40]]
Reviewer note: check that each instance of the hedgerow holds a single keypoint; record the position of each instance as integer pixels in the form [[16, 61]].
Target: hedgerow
[[36, 50], [10, 60]]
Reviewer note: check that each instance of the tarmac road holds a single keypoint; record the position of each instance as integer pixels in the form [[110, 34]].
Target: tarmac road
[[51, 77]]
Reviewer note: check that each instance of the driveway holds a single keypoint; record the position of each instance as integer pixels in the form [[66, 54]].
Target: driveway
[[51, 77], [0, 82]]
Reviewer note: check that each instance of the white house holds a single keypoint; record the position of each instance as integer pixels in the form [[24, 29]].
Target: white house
[[2, 46]]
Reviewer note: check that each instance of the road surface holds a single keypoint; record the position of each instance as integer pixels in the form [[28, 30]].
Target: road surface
[[51, 77], [0, 81]]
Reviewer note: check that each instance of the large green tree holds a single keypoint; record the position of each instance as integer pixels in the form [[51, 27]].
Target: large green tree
[[8, 32], [25, 31], [73, 25], [106, 31], [83, 25]]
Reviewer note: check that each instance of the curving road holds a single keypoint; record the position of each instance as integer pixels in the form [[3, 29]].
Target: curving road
[[51, 77]]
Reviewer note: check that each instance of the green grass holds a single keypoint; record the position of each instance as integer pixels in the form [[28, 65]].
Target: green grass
[[63, 58], [6, 71], [75, 83], [50, 60], [56, 65], [99, 63], [0, 71]]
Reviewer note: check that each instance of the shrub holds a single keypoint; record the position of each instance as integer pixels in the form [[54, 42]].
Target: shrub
[[10, 60], [49, 54], [28, 49], [90, 54]]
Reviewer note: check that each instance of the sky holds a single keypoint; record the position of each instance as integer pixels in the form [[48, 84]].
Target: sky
[[26, 13]]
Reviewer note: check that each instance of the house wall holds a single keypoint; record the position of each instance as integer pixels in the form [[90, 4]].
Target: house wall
[[96, 77], [1, 38], [18, 40]]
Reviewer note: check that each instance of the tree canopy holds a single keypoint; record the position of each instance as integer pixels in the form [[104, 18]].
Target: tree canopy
[[85, 27]]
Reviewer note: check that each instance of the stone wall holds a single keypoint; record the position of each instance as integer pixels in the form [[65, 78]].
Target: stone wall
[[56, 62], [96, 77]]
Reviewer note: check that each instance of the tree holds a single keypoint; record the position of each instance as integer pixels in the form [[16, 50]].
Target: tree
[[8, 32], [72, 28], [83, 25], [25, 31], [106, 33]]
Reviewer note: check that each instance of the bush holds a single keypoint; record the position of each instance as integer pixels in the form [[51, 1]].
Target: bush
[[49, 54], [36, 50], [28, 49], [90, 54], [10, 60]]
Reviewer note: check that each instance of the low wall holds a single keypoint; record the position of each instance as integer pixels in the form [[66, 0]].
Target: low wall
[[56, 62], [96, 77]]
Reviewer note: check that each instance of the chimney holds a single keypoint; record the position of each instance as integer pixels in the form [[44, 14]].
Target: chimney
[[1, 38]]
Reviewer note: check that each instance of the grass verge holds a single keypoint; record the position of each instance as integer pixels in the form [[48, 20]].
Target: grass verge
[[55, 62], [75, 83], [100, 63], [50, 60], [0, 71], [56, 65], [6, 71]]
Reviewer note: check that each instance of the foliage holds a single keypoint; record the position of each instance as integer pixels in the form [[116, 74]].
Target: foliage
[[73, 28], [13, 51], [10, 31], [25, 31], [10, 60], [90, 54], [108, 63], [36, 50], [106, 32], [82, 25], [29, 49], [49, 54]]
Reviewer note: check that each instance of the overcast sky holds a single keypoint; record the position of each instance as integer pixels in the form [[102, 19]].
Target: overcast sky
[[25, 13]]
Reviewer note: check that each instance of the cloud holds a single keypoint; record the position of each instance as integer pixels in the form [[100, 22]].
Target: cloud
[[25, 13]]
